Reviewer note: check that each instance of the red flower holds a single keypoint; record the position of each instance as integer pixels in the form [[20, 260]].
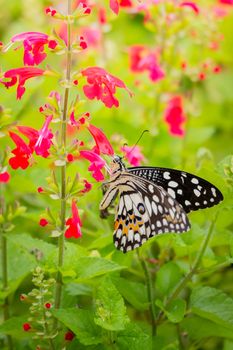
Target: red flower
[[20, 75], [74, 223], [40, 189], [40, 141], [141, 59], [22, 153], [69, 336], [192, 5], [133, 154], [34, 43], [102, 86], [4, 177], [43, 222], [174, 116], [26, 327], [114, 6], [87, 187], [97, 164], [226, 2], [48, 305], [50, 11], [101, 140]]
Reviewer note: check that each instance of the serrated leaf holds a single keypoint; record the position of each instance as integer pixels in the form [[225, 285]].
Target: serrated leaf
[[90, 267], [81, 322], [133, 338], [135, 293], [14, 327], [110, 309], [213, 304], [199, 328]]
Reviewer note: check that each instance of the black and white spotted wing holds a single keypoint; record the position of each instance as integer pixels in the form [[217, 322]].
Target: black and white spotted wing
[[144, 211], [191, 191]]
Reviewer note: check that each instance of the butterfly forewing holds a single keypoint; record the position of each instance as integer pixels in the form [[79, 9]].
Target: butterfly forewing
[[144, 211], [191, 191]]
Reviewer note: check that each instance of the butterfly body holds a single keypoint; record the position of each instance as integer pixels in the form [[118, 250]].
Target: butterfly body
[[153, 201]]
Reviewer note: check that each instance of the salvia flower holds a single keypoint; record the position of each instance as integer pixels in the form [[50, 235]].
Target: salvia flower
[[192, 5], [174, 116], [102, 86], [142, 59], [19, 76], [4, 177], [44, 140], [34, 43], [43, 222], [26, 327], [114, 6], [97, 164], [101, 140], [74, 223], [21, 153], [133, 155], [69, 336]]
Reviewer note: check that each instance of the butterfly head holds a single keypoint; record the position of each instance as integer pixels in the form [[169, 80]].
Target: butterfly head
[[117, 165]]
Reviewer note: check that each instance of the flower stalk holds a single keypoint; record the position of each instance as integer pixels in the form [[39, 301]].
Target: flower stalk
[[58, 288], [5, 306], [150, 293]]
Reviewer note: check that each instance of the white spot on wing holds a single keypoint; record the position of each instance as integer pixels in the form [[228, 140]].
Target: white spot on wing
[[151, 188], [196, 192], [171, 192], [173, 184], [195, 180], [148, 206], [166, 175]]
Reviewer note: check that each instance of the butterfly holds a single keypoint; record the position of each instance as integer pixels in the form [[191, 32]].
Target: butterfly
[[152, 201]]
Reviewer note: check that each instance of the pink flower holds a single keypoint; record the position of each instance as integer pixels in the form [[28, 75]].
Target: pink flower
[[44, 140], [114, 6], [101, 140], [74, 223], [226, 2], [39, 141], [34, 43], [87, 186], [174, 116], [141, 59], [192, 5], [97, 164], [133, 155], [102, 86], [22, 153], [4, 177], [20, 75], [91, 35]]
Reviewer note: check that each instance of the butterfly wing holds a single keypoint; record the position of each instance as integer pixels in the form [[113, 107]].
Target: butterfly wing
[[191, 191], [144, 211]]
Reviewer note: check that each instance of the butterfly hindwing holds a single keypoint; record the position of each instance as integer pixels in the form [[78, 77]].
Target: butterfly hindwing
[[191, 191], [144, 211]]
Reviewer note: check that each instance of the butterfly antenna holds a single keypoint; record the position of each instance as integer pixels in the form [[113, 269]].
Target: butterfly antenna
[[125, 144]]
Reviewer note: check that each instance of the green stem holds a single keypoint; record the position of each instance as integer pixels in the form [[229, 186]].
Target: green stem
[[5, 306], [182, 284], [150, 293], [58, 287]]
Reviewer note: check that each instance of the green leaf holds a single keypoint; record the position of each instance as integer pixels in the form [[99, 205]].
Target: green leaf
[[75, 289], [213, 304], [14, 327], [175, 310], [110, 308], [81, 323], [135, 293], [133, 338], [89, 267], [199, 328], [167, 278]]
